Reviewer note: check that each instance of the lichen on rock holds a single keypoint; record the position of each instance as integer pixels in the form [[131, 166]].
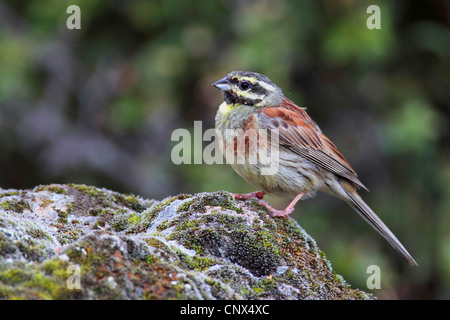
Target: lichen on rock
[[202, 246]]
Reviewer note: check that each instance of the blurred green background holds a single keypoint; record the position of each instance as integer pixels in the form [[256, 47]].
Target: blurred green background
[[98, 106]]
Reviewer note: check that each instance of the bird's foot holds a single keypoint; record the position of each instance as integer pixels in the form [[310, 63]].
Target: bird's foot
[[252, 195], [277, 213], [282, 213]]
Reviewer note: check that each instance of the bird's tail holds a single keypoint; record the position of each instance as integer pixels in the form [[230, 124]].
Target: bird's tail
[[358, 204]]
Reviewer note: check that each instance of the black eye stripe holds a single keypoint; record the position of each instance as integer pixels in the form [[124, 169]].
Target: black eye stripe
[[258, 89]]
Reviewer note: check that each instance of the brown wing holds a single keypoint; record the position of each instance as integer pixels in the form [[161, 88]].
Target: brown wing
[[300, 133]]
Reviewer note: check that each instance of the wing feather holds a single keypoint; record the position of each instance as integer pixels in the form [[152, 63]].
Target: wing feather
[[299, 133]]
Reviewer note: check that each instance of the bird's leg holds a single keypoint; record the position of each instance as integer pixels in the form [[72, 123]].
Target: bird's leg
[[282, 213], [252, 195]]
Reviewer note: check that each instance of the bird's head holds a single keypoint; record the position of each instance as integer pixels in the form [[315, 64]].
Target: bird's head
[[249, 88]]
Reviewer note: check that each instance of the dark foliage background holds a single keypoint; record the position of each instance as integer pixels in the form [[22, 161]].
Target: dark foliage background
[[98, 106]]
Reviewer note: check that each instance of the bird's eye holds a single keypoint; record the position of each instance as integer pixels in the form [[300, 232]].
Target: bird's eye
[[244, 85]]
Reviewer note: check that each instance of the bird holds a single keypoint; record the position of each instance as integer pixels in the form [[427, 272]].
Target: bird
[[307, 160]]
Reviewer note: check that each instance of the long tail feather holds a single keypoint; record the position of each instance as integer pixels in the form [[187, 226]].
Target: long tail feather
[[358, 204]]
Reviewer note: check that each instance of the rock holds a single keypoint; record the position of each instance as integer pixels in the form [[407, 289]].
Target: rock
[[80, 242]]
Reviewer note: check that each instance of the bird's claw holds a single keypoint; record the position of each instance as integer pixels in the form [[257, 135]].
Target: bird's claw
[[257, 194], [277, 213]]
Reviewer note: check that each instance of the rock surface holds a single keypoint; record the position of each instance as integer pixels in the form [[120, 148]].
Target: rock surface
[[80, 242]]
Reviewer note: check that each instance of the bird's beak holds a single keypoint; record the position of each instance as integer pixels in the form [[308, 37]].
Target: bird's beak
[[222, 84]]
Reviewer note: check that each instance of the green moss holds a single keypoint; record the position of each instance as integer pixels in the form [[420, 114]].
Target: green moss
[[37, 233], [120, 224], [188, 232], [92, 192], [118, 218], [151, 259], [93, 260], [257, 290], [46, 202], [6, 245], [155, 243], [105, 197], [30, 249], [14, 276], [67, 234], [43, 285], [196, 262], [130, 201], [264, 287], [15, 205], [141, 222], [215, 199], [99, 224], [228, 221], [185, 206], [95, 211], [9, 193], [55, 267], [54, 188], [134, 219], [161, 205], [247, 251], [44, 281], [62, 216], [163, 226]]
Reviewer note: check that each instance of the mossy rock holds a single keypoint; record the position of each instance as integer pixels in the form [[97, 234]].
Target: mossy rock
[[81, 242]]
